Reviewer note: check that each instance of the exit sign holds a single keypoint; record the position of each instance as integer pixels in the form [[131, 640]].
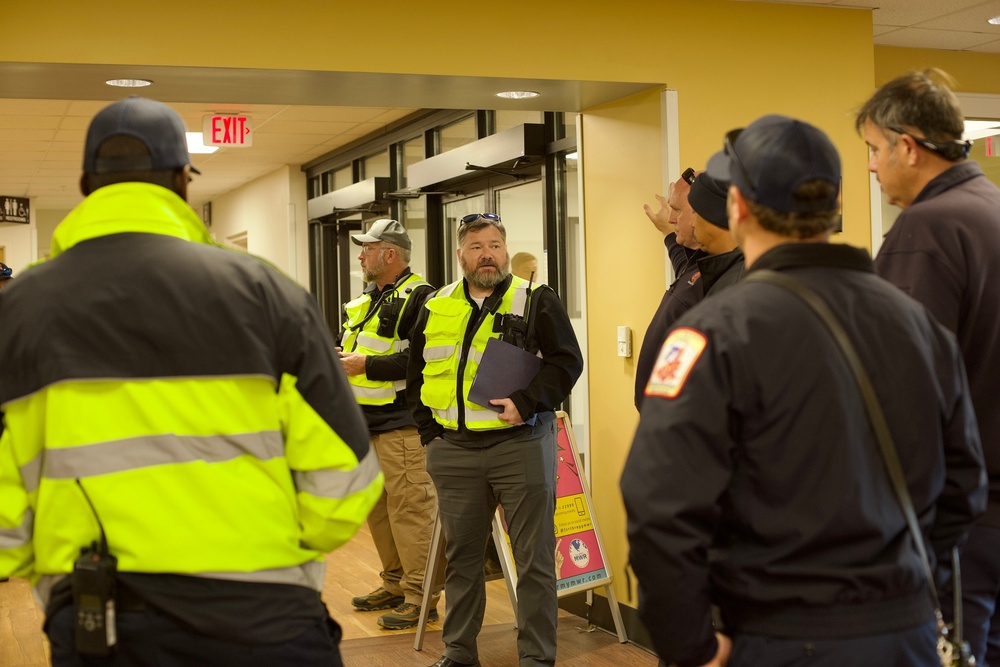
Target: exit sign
[[227, 130]]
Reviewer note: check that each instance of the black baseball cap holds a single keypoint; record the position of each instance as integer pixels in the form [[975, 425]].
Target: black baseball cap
[[772, 157], [387, 230], [153, 123]]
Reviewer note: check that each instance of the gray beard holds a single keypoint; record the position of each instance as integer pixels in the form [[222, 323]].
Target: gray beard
[[486, 282]]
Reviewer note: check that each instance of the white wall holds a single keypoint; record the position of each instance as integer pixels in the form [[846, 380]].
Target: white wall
[[46, 223], [271, 211], [18, 243]]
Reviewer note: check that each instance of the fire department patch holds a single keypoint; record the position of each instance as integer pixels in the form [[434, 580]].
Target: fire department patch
[[677, 356]]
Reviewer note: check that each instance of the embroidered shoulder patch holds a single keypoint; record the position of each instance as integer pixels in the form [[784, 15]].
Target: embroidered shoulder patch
[[673, 365]]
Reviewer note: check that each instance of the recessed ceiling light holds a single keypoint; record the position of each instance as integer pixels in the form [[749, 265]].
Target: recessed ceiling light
[[995, 20], [518, 94], [129, 83], [196, 143]]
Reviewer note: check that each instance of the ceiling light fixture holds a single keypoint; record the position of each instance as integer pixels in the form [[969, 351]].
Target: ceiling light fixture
[[129, 83], [994, 21], [518, 94], [196, 143]]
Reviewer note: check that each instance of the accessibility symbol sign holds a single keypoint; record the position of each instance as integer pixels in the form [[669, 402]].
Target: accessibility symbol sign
[[15, 209]]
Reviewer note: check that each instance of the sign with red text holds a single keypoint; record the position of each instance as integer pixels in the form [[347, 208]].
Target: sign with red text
[[231, 130], [579, 554]]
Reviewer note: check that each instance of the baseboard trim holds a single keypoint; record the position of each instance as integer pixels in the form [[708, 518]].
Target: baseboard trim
[[599, 615]]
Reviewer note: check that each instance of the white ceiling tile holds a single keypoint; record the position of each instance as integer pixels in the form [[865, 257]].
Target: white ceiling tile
[[988, 47], [912, 12], [950, 40]]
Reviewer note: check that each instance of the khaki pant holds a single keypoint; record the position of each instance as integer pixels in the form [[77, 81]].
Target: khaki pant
[[403, 518]]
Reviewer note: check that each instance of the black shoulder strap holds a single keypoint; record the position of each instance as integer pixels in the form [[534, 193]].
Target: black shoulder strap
[[875, 415]]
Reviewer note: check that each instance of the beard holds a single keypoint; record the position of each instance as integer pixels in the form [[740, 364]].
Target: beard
[[373, 268], [487, 280]]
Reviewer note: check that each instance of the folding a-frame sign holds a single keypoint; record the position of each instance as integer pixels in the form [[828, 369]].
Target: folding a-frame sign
[[580, 562]]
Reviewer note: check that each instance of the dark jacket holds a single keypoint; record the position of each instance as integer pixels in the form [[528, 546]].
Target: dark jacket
[[944, 251], [759, 487], [720, 271], [683, 293]]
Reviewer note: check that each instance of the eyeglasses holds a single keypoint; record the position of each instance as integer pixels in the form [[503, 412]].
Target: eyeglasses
[[951, 151], [688, 176], [730, 149], [368, 249]]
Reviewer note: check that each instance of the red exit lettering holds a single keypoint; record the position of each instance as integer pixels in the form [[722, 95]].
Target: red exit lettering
[[228, 130]]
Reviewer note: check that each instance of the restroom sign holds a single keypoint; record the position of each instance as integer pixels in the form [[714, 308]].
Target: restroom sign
[[15, 209], [227, 130]]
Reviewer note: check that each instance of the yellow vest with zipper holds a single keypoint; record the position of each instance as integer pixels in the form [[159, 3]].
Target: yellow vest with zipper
[[365, 340], [445, 360]]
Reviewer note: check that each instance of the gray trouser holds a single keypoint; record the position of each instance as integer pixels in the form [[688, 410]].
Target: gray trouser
[[520, 475]]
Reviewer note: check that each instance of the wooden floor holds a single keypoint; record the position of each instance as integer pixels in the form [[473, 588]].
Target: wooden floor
[[353, 570]]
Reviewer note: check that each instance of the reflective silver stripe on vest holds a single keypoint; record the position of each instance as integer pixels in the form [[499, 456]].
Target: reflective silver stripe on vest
[[472, 416], [475, 355], [375, 392], [308, 574], [449, 414], [519, 301], [154, 450], [338, 483], [399, 385], [438, 352], [31, 473], [12, 538], [400, 345], [373, 343]]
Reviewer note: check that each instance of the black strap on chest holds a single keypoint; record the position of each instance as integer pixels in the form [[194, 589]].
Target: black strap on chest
[[880, 426]]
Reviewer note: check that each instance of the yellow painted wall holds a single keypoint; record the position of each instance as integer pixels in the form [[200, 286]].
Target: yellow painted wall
[[729, 61], [973, 72]]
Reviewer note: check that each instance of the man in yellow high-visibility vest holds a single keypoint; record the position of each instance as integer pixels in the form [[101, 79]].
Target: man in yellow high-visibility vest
[[500, 450], [374, 352], [180, 446]]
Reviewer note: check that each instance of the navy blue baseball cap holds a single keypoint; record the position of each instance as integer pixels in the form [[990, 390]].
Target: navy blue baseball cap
[[708, 199], [772, 157], [153, 123]]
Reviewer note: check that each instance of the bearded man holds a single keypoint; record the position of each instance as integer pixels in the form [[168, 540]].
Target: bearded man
[[503, 453]]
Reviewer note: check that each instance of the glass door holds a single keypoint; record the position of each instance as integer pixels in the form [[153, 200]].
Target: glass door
[[454, 211], [521, 207]]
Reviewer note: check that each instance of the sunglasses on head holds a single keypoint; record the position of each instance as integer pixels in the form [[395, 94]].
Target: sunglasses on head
[[5, 271], [472, 217], [730, 147], [951, 151]]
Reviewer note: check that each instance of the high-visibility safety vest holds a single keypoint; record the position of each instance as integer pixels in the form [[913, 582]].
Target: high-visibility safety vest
[[447, 365], [191, 393], [361, 335]]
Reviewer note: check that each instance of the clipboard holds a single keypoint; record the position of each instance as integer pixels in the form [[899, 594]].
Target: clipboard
[[505, 368]]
